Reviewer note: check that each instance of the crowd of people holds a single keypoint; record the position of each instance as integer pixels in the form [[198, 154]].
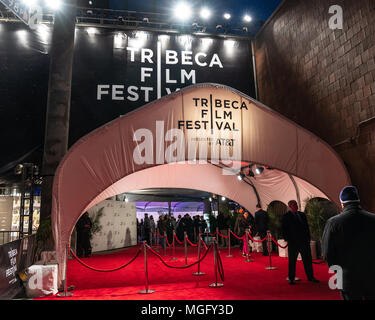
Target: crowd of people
[[338, 247]]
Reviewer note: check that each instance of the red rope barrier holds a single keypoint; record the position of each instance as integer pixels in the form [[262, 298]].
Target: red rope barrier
[[222, 235], [257, 240], [282, 247], [105, 270], [179, 267], [204, 244], [212, 234], [168, 244], [239, 238], [192, 244], [178, 241]]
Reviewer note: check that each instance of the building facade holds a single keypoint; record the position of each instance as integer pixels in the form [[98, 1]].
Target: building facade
[[323, 78]]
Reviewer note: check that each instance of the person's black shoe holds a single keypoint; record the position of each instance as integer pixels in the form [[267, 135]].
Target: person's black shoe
[[291, 282], [314, 280]]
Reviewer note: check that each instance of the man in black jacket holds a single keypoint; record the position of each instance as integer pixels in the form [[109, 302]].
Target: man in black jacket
[[83, 227], [348, 243], [261, 226], [296, 232]]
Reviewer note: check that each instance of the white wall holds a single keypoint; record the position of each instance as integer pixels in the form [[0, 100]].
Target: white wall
[[118, 222]]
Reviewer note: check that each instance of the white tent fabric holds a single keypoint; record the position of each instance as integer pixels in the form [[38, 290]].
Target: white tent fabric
[[244, 129]]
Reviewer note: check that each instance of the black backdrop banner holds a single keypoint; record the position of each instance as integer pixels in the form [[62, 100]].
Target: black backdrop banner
[[114, 72]]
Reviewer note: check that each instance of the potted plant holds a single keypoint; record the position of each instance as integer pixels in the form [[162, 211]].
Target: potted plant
[[318, 211]]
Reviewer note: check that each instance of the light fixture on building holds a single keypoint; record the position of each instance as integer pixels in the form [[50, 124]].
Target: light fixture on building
[[182, 11], [259, 170], [227, 16], [247, 18], [53, 4], [240, 176], [205, 13], [223, 198]]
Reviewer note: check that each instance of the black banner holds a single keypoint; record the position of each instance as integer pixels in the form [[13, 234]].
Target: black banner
[[14, 257], [114, 72]]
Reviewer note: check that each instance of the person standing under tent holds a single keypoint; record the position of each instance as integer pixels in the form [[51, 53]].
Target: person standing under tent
[[297, 233], [153, 228], [83, 227], [243, 224], [162, 227], [147, 228], [261, 226]]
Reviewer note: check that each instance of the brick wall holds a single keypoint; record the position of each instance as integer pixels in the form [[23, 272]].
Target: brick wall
[[324, 79]]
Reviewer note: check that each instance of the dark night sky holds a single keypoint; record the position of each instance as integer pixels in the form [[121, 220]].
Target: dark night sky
[[258, 9]]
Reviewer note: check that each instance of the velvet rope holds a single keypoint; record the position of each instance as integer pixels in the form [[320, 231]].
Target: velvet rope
[[204, 244], [255, 239], [166, 239], [178, 241], [282, 247], [222, 235], [192, 244], [239, 238], [105, 270], [219, 264], [178, 267], [212, 234]]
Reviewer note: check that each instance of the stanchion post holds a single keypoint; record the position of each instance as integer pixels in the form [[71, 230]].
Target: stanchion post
[[207, 234], [199, 273], [174, 247], [66, 293], [185, 244], [229, 255], [269, 247], [151, 238], [217, 235], [215, 284], [165, 243], [147, 290], [248, 256]]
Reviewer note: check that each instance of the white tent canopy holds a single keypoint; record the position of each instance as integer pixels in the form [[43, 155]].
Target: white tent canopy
[[108, 161]]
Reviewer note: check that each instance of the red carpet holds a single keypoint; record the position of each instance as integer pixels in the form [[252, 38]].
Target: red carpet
[[242, 281]]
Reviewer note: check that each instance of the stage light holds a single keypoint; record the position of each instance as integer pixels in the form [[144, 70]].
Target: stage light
[[247, 18], [223, 198], [53, 4], [29, 3], [182, 11], [240, 176], [18, 170], [259, 170], [205, 13], [90, 3], [250, 173], [210, 199], [92, 31], [227, 16]]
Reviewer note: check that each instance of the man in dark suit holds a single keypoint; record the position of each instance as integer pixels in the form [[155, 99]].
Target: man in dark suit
[[261, 226], [348, 243], [296, 232]]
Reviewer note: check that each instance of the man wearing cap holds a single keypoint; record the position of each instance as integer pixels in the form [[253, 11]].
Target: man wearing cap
[[348, 242], [296, 232]]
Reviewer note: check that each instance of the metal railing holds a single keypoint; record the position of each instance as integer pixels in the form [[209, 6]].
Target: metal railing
[[8, 236]]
